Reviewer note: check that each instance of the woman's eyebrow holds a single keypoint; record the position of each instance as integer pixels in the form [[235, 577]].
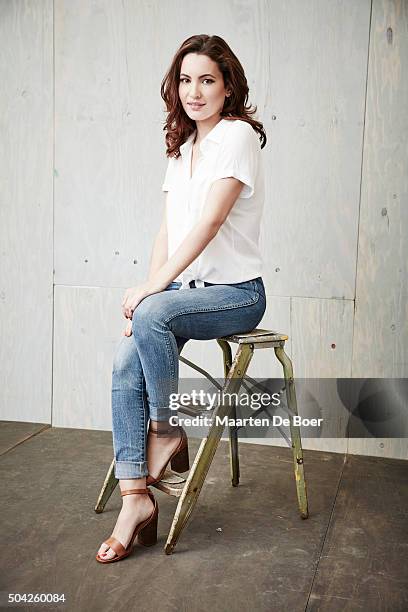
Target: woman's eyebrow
[[200, 77]]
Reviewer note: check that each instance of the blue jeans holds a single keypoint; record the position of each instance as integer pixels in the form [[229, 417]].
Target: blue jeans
[[145, 367]]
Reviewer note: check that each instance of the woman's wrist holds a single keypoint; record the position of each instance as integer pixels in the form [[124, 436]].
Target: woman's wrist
[[153, 285]]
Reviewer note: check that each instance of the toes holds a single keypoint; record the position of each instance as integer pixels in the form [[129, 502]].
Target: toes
[[103, 549], [105, 552], [110, 554]]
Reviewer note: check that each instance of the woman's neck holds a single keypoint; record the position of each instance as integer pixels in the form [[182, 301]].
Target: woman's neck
[[203, 130]]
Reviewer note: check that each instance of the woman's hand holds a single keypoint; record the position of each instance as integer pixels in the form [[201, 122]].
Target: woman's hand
[[132, 298]]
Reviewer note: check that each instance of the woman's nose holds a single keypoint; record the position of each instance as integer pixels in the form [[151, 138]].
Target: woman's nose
[[195, 91]]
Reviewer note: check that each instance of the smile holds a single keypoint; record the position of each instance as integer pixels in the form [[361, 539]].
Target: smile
[[195, 106]]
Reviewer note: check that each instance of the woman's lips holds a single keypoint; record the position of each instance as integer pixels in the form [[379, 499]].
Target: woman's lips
[[196, 106]]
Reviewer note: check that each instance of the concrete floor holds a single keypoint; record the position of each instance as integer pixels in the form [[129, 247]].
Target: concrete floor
[[245, 548]]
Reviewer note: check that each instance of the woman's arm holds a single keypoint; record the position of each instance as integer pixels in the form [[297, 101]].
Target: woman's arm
[[220, 200], [159, 252]]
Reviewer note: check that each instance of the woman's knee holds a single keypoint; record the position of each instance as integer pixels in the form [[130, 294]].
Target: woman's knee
[[148, 316]]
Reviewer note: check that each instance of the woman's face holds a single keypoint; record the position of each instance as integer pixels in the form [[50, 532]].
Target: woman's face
[[201, 81]]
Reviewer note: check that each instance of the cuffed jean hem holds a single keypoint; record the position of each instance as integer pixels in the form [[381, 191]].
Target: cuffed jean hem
[[158, 413], [130, 469]]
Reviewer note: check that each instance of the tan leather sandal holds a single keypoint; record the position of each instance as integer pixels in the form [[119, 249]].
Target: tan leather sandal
[[178, 460], [146, 531]]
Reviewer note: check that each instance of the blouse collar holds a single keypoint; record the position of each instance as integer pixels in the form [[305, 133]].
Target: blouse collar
[[214, 135]]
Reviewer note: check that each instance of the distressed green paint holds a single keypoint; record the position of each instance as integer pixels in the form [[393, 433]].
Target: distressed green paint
[[294, 431]]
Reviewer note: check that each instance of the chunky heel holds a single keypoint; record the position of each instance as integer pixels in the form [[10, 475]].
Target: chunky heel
[[148, 535], [180, 462]]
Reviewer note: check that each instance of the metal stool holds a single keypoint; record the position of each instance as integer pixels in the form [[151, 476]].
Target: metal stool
[[188, 489]]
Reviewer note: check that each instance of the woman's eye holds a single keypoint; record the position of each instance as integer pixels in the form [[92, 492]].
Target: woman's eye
[[185, 79]]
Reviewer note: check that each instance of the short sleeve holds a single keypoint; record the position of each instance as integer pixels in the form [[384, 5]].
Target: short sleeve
[[238, 157], [168, 178]]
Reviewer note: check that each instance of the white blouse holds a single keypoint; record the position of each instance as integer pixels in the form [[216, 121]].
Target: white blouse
[[231, 149]]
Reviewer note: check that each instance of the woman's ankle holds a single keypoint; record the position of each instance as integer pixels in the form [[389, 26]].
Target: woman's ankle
[[132, 483], [164, 429]]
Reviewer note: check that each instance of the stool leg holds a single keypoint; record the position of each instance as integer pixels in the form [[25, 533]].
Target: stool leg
[[233, 432], [107, 488], [207, 448], [294, 431], [234, 457]]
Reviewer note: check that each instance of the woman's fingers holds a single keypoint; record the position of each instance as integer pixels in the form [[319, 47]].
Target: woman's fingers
[[128, 330], [127, 312]]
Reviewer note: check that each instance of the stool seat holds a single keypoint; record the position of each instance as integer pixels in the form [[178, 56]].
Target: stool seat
[[256, 336]]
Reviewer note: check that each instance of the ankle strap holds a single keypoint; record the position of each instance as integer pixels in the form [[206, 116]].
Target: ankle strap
[[132, 491], [164, 431]]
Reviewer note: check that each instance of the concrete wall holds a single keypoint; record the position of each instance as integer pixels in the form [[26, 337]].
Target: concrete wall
[[82, 161]]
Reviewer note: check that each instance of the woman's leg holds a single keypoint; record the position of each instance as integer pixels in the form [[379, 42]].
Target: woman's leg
[[197, 313], [129, 421], [159, 322], [130, 412]]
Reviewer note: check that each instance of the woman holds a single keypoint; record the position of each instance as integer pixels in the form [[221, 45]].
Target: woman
[[205, 271]]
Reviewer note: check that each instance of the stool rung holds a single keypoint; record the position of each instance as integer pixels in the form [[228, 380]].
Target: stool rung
[[171, 483], [195, 410]]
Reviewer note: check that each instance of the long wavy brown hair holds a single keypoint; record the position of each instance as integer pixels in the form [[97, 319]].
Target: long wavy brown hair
[[178, 125]]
